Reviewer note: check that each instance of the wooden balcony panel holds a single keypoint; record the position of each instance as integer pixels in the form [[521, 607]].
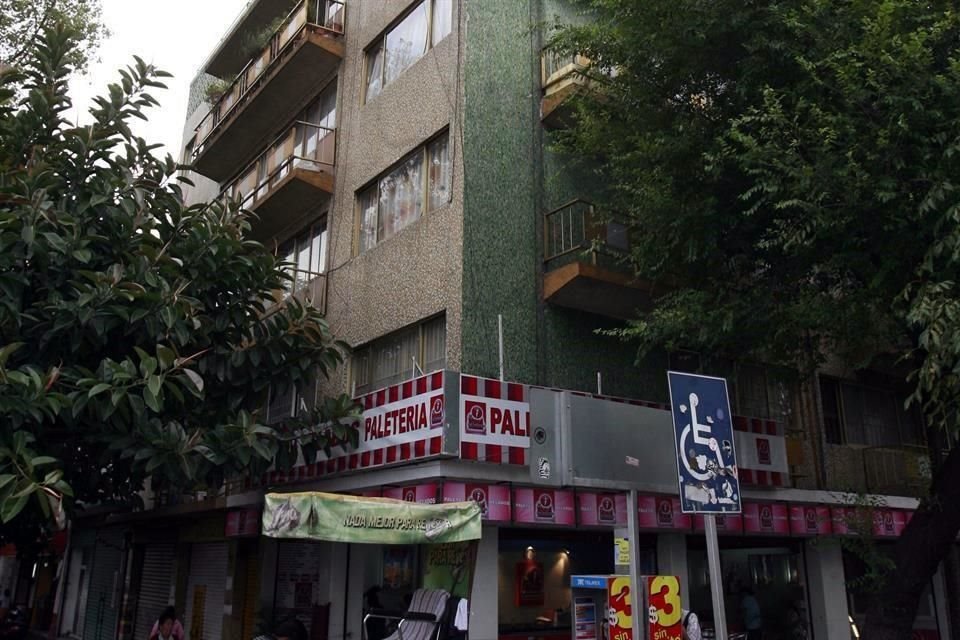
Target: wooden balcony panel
[[588, 287], [279, 93], [556, 108], [288, 199]]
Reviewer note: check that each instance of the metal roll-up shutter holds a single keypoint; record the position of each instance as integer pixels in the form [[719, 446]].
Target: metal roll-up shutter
[[103, 606], [206, 587], [156, 579]]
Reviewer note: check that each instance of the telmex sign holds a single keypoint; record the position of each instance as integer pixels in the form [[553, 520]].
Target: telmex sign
[[403, 421]]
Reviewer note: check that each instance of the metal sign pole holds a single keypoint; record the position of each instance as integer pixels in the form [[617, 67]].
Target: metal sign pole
[[716, 578], [633, 526]]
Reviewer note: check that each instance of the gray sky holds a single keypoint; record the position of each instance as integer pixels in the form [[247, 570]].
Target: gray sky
[[174, 35]]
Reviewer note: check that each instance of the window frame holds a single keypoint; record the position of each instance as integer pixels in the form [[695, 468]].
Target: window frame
[[367, 351], [424, 151], [320, 221], [380, 42], [843, 429]]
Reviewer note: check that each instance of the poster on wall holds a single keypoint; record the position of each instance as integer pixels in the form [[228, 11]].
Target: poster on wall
[[584, 619], [664, 612], [398, 566], [450, 567], [545, 506], [493, 499], [620, 614], [529, 584]]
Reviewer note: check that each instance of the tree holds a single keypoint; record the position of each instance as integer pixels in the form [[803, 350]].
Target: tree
[[23, 21], [138, 339], [786, 171]]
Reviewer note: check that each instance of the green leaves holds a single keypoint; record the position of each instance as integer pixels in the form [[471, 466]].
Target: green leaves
[[136, 344]]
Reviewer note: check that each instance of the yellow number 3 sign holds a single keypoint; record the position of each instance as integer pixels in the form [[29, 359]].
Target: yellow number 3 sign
[[663, 593]]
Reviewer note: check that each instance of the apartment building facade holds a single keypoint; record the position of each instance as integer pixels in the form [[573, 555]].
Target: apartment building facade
[[396, 153]]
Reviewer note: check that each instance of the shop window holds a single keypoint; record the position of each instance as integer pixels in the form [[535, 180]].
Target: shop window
[[396, 200], [405, 42], [400, 356], [855, 414]]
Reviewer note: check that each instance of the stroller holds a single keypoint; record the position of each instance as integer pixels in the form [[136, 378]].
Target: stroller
[[430, 615]]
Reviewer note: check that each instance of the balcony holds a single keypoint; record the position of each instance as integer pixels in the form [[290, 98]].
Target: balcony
[[289, 179], [900, 471], [306, 47], [581, 266], [561, 77]]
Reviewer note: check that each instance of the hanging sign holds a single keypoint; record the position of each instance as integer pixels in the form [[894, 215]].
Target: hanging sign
[[343, 518]]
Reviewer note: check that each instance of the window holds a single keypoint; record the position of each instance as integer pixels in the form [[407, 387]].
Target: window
[[400, 356], [755, 390], [396, 200], [406, 42], [855, 414], [282, 404], [306, 254]]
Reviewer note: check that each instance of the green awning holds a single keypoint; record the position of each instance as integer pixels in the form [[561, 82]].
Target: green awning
[[312, 515]]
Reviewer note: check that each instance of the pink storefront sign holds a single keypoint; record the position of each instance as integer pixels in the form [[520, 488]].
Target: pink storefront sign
[[543, 506], [888, 523], [421, 493], [602, 509], [810, 520], [766, 518], [726, 523], [494, 499], [659, 512]]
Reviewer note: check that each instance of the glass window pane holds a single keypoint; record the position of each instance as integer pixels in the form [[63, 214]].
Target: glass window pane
[[911, 423], [831, 411], [401, 199], [752, 387], [368, 218], [442, 20], [853, 414], [318, 250], [440, 172], [434, 345], [374, 73], [406, 43]]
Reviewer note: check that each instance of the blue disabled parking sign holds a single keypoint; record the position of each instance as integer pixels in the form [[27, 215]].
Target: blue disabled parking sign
[[703, 435]]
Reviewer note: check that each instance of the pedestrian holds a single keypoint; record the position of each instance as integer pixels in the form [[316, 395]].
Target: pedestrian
[[691, 625], [752, 619], [173, 632], [291, 629]]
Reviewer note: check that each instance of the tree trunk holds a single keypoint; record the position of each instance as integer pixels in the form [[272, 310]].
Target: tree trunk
[[922, 546]]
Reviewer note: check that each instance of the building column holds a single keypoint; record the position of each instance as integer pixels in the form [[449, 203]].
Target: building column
[[672, 561], [484, 596], [826, 585], [940, 602], [336, 588]]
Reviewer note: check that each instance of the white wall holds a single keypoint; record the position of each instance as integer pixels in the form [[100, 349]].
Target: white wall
[[484, 607], [827, 588]]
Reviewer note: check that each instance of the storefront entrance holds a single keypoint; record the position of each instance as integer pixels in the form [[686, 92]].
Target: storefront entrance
[[770, 568], [534, 569]]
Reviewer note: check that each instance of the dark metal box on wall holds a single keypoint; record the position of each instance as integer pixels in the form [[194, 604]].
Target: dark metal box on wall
[[580, 440]]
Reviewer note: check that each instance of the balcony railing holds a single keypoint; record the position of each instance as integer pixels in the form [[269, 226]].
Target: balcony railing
[[306, 146], [555, 66], [309, 15], [575, 227], [307, 286]]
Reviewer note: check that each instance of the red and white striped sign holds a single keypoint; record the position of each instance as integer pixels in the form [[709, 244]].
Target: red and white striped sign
[[494, 420]]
